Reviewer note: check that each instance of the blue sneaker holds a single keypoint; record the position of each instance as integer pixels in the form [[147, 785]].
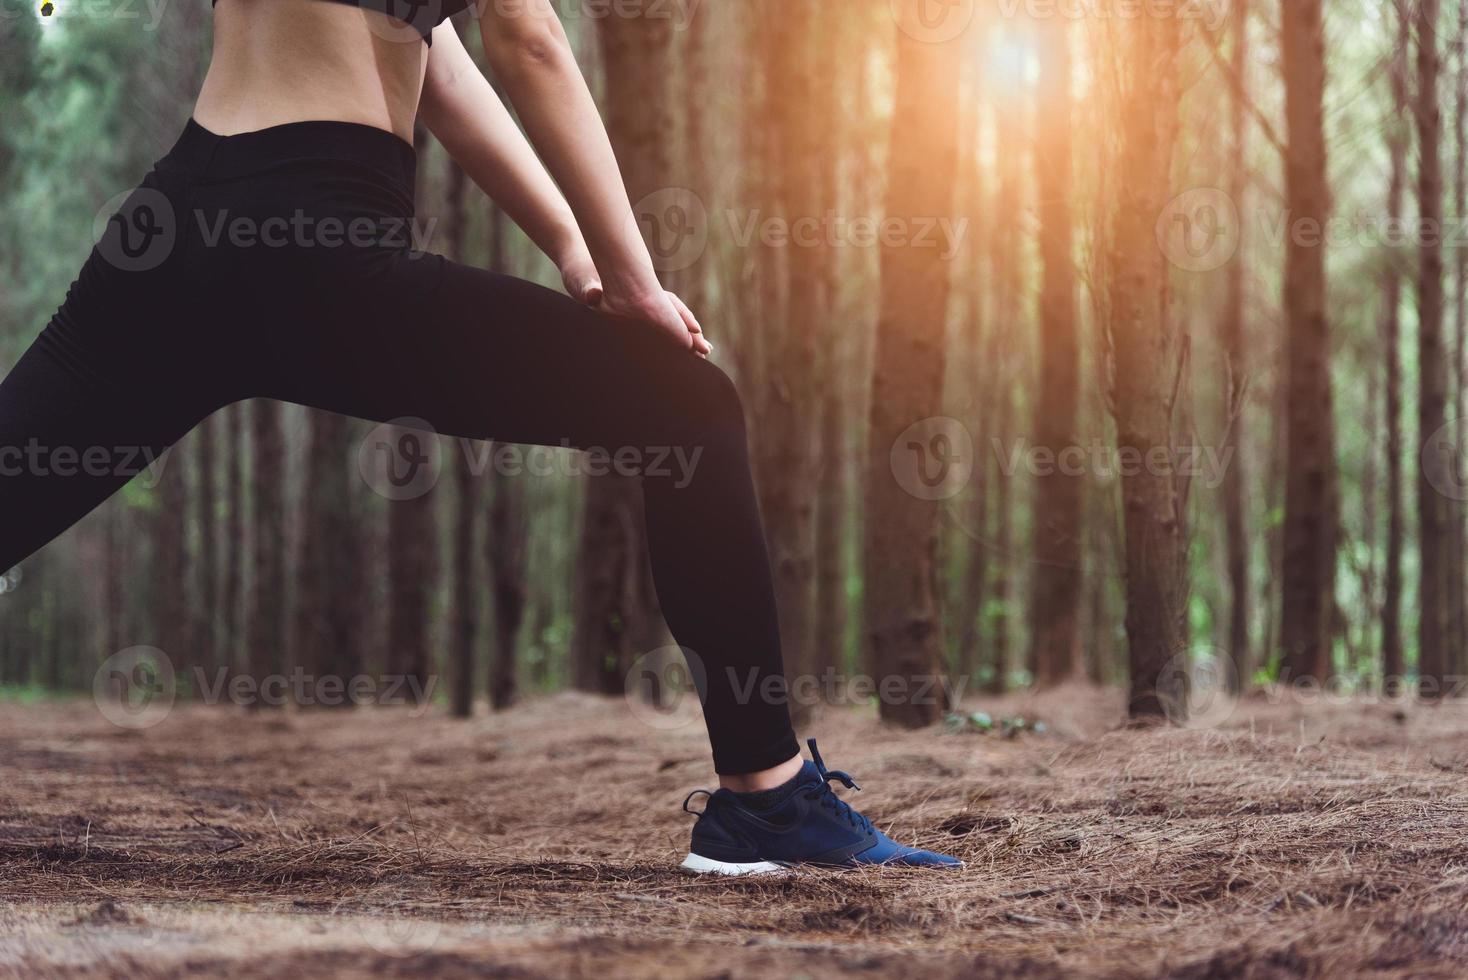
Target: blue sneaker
[[809, 824]]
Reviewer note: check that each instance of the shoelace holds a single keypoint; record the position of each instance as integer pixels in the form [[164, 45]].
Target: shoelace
[[823, 794]]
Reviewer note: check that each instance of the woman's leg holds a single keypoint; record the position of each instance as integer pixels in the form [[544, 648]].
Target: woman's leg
[[80, 418], [485, 356]]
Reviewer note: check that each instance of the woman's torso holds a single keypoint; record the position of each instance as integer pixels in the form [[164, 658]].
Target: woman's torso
[[284, 61]]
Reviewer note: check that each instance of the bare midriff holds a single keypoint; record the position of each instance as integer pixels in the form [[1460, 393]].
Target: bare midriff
[[285, 61]]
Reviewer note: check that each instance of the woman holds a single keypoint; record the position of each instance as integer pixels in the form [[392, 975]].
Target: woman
[[266, 257]]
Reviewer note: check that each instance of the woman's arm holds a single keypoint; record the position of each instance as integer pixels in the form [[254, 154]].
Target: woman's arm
[[466, 115], [528, 50]]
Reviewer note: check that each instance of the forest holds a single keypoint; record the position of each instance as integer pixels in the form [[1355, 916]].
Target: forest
[[1105, 364], [1123, 364]]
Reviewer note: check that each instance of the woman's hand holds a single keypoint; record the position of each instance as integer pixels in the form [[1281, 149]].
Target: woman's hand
[[582, 281], [664, 311]]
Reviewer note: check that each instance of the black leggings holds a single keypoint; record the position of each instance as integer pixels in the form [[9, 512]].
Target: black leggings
[[281, 264]]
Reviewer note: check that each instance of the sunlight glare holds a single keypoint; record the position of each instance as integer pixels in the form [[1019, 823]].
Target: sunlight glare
[[1011, 60]]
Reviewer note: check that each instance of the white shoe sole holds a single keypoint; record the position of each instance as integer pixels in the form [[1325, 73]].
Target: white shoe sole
[[699, 865]]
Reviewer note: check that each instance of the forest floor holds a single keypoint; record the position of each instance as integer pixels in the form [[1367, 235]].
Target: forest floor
[[1326, 841]]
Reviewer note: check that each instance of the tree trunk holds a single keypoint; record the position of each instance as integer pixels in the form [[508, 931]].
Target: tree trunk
[[205, 623], [506, 546], [1458, 596], [1393, 663], [1311, 509], [1234, 348], [170, 563], [412, 547], [1147, 348], [267, 624], [412, 538], [788, 447], [1005, 356], [1059, 529], [326, 634], [466, 584], [976, 381], [509, 533], [832, 499], [464, 616], [901, 602], [114, 564], [311, 583], [231, 637], [1435, 642], [831, 527], [614, 602]]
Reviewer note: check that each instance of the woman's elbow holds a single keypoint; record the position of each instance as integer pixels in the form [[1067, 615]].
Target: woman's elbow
[[527, 47]]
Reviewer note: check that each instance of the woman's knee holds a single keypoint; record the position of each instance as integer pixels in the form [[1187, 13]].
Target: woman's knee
[[712, 403]]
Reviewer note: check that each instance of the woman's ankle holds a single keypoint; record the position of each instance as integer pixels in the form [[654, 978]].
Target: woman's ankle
[[754, 782]]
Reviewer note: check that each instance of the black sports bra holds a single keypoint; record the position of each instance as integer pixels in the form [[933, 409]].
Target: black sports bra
[[422, 15]]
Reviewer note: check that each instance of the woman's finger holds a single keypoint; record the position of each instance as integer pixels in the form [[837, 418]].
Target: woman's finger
[[694, 327]]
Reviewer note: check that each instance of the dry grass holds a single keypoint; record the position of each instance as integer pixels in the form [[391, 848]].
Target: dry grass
[[1328, 842]]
